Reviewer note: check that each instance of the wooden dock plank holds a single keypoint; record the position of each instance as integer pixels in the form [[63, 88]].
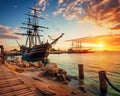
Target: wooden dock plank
[[11, 85], [7, 77], [27, 94], [12, 88], [18, 93], [6, 74], [9, 81]]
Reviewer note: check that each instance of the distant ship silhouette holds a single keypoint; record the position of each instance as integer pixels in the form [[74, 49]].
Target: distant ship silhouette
[[78, 49]]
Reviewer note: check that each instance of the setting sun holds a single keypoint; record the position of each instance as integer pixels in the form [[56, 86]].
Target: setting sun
[[100, 45]]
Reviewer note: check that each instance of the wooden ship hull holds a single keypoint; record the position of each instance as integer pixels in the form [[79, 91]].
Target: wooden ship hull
[[37, 53]]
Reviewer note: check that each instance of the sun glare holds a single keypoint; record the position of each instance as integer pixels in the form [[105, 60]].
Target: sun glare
[[100, 45]]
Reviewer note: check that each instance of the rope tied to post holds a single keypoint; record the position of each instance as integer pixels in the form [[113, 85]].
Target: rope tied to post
[[118, 90], [103, 83]]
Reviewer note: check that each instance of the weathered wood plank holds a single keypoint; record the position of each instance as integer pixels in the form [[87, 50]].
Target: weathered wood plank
[[10, 74], [9, 84], [9, 81], [3, 74], [17, 93], [27, 94], [8, 77], [12, 88]]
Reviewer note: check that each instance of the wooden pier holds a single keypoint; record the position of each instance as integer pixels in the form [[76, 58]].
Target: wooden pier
[[11, 85]]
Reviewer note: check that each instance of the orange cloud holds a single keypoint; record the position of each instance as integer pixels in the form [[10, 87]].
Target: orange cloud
[[116, 27], [105, 13], [108, 39]]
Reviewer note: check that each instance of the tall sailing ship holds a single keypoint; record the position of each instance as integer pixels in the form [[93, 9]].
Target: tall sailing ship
[[35, 49], [77, 48]]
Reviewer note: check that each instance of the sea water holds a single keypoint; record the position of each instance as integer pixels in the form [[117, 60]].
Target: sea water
[[93, 63]]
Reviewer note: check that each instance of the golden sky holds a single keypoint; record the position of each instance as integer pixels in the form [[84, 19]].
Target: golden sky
[[110, 42], [96, 23]]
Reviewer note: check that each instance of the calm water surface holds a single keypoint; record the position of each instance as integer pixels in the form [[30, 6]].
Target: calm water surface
[[93, 62]]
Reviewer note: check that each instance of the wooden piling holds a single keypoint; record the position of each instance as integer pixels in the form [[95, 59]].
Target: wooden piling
[[2, 54], [81, 78], [103, 83], [81, 71]]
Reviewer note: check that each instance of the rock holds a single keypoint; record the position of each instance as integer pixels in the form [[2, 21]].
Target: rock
[[74, 92], [15, 68], [75, 77], [52, 66], [66, 82], [26, 64], [83, 88], [43, 68], [21, 65], [62, 71], [19, 70], [31, 64], [41, 73], [61, 77], [18, 60], [58, 74], [51, 69], [68, 77], [36, 64], [40, 64]]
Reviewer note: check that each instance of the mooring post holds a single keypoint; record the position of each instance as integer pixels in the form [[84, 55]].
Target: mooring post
[[81, 78], [2, 59], [103, 83], [81, 71], [81, 74]]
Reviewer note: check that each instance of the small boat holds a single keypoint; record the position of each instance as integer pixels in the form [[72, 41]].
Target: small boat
[[35, 49]]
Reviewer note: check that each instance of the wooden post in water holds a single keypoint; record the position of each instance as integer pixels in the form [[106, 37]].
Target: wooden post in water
[[81, 78], [103, 83], [2, 54], [81, 71]]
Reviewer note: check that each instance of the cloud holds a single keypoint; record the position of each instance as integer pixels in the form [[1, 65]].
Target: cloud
[[58, 12], [43, 4], [116, 27], [7, 33], [105, 13], [108, 39], [60, 1]]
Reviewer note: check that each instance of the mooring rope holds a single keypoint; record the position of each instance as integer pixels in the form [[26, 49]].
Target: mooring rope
[[118, 90]]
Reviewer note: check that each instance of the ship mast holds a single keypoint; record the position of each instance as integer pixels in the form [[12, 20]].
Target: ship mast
[[33, 28], [35, 23], [29, 33]]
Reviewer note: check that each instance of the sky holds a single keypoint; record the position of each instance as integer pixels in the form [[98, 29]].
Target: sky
[[94, 23]]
